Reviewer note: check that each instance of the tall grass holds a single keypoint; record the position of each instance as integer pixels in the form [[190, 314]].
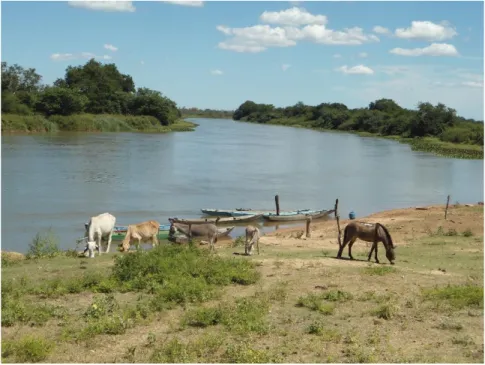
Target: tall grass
[[90, 123], [27, 123]]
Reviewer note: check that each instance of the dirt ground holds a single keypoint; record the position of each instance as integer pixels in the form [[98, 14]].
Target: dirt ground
[[321, 309]]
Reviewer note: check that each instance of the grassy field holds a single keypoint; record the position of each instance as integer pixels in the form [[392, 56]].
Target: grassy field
[[292, 303]]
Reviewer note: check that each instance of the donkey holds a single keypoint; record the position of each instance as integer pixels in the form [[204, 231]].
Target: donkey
[[369, 232], [208, 230], [252, 236]]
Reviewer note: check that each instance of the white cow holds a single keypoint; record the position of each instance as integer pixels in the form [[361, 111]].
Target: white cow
[[99, 227]]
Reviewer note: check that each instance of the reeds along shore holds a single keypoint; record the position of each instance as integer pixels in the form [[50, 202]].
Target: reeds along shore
[[12, 123]]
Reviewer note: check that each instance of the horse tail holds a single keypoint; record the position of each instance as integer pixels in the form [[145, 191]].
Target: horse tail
[[386, 232], [346, 233]]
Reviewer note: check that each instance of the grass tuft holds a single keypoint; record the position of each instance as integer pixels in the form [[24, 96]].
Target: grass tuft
[[29, 349], [456, 296]]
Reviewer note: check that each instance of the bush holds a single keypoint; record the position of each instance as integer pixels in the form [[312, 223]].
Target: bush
[[44, 245]]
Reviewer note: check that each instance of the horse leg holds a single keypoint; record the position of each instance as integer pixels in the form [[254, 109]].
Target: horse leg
[[350, 247], [377, 245], [371, 250]]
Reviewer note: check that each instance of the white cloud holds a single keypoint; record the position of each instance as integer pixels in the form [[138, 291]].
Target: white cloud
[[337, 55], [435, 49], [122, 6], [217, 72], [260, 37], [285, 66], [472, 84], [380, 30], [293, 16], [185, 3], [356, 70], [76, 56], [111, 47], [426, 31], [363, 55]]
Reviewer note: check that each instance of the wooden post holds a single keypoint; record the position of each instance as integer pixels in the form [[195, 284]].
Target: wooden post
[[308, 228], [338, 223], [447, 204], [277, 202], [190, 231]]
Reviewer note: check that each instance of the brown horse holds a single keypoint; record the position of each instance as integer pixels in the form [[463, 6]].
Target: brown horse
[[369, 232]]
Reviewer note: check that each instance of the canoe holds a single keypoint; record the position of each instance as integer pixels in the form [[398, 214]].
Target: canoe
[[221, 232], [236, 212], [164, 234], [119, 235], [299, 215], [242, 219], [118, 229]]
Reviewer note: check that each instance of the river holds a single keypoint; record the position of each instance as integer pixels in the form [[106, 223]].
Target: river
[[60, 180]]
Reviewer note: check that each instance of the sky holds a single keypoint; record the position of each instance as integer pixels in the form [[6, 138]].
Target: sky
[[211, 54]]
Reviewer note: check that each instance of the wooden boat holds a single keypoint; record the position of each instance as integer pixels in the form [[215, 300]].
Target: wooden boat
[[164, 234], [236, 212], [221, 232], [242, 219], [298, 215], [119, 235]]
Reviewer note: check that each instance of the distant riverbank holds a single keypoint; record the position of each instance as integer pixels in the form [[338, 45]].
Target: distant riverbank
[[426, 144], [14, 123], [430, 128]]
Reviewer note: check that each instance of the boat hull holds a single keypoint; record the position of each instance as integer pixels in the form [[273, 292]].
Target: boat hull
[[238, 212], [226, 220], [297, 216]]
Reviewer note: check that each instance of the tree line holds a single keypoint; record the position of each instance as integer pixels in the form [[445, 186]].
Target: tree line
[[206, 113], [92, 88], [383, 117]]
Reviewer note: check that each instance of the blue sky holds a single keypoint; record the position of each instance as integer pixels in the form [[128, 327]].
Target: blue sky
[[219, 54]]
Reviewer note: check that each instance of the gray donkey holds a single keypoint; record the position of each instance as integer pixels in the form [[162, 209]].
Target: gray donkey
[[208, 230]]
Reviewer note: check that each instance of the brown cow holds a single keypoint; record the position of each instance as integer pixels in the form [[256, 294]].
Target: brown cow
[[141, 232]]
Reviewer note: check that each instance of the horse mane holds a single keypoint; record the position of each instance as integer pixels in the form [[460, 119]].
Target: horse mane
[[388, 235]]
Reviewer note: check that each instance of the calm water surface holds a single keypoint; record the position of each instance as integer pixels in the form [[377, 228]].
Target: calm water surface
[[61, 180]]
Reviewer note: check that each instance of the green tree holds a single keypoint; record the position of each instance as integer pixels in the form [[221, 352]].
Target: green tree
[[151, 102], [101, 84], [61, 101]]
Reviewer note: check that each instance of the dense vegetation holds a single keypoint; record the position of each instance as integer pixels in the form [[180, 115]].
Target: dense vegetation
[[436, 128], [90, 97], [206, 113]]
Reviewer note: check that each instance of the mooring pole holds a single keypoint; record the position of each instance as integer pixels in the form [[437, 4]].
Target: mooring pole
[[338, 223], [308, 227], [277, 202]]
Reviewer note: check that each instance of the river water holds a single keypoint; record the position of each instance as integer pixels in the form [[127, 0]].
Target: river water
[[60, 180]]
